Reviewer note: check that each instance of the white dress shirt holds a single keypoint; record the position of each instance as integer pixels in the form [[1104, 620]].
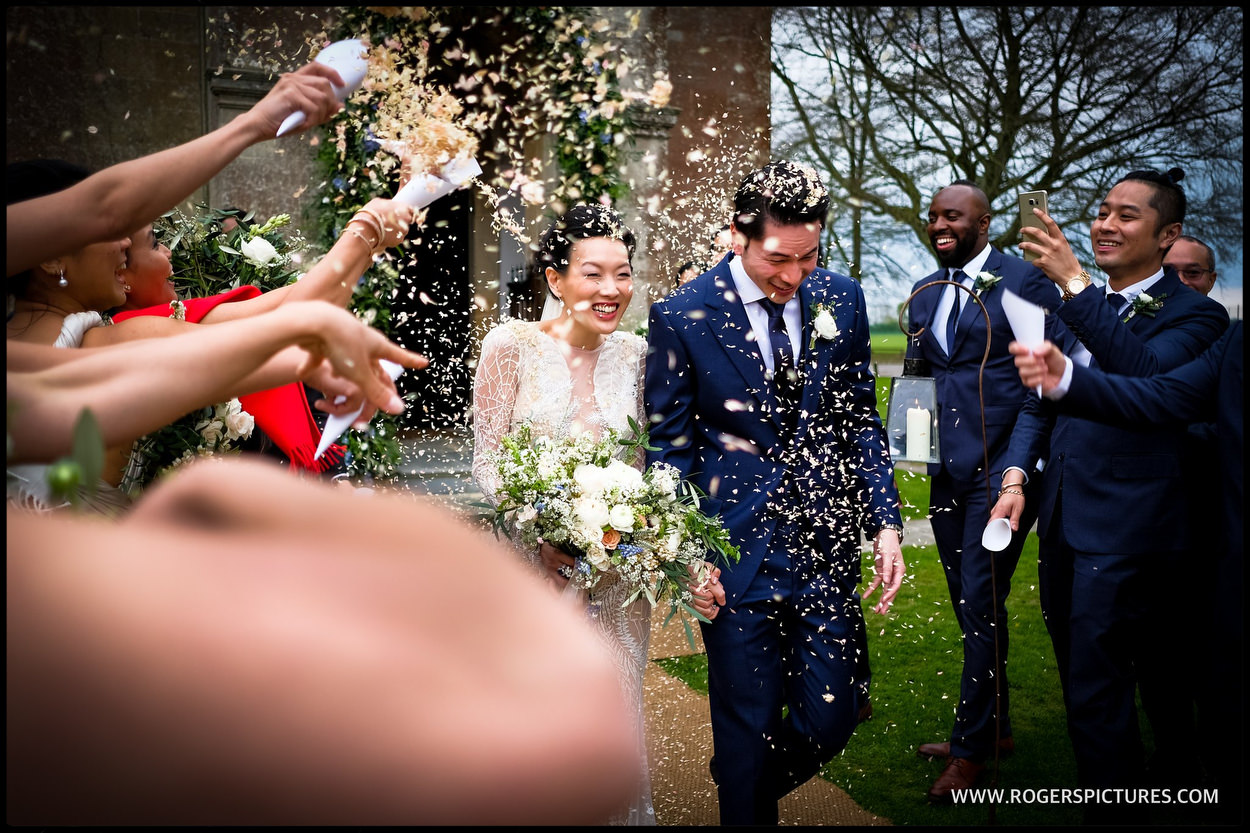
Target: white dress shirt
[[758, 315]]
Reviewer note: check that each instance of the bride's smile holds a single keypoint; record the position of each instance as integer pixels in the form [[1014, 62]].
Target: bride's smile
[[595, 290]]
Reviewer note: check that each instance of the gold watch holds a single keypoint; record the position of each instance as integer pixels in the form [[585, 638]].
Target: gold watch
[[1074, 286]]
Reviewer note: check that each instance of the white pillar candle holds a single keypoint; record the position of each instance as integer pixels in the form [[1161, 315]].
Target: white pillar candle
[[918, 421]]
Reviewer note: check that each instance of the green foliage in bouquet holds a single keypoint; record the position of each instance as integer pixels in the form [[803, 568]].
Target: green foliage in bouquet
[[578, 494], [216, 429], [208, 259]]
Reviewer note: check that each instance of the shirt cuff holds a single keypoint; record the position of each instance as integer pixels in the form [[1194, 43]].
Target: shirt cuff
[[1061, 390]]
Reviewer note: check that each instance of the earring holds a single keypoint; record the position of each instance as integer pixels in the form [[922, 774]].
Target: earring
[[126, 287], [62, 281]]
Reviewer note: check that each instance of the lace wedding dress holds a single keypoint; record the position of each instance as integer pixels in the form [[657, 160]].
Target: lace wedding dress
[[524, 375]]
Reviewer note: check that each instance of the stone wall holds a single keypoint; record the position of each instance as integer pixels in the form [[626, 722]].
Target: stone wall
[[98, 85]]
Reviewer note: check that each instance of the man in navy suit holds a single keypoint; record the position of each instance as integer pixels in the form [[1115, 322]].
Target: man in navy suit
[[977, 410], [1112, 523], [1210, 389], [758, 389]]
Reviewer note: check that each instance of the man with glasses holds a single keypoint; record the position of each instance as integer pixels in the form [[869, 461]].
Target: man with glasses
[[1194, 261]]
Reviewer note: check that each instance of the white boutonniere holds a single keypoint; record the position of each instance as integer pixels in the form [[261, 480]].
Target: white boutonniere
[[1145, 304], [823, 325], [985, 281]]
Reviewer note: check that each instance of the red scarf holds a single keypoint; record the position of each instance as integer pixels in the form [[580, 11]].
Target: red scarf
[[281, 412]]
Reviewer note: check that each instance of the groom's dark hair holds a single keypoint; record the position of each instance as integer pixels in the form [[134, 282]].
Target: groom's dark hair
[[785, 192], [581, 222]]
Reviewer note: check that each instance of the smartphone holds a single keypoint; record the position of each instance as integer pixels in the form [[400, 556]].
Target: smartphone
[[1030, 200]]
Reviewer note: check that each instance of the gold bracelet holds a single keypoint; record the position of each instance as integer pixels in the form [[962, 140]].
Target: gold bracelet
[[1010, 490], [356, 233], [373, 215], [370, 221]]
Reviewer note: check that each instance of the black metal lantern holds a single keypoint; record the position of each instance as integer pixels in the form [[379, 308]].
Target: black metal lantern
[[912, 418]]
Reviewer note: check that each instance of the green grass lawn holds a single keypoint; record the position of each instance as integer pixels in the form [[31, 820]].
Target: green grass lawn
[[888, 342]]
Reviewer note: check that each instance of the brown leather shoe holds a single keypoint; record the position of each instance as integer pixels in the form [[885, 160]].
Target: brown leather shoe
[[865, 712], [960, 774], [943, 750]]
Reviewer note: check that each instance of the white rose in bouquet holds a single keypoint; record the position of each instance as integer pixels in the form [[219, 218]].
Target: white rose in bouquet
[[592, 480], [621, 518], [239, 423], [623, 476], [592, 512], [259, 251]]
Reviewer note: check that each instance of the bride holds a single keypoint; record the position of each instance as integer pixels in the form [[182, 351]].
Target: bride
[[568, 374]]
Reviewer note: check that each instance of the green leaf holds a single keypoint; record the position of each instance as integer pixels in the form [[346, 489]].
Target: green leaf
[[89, 449]]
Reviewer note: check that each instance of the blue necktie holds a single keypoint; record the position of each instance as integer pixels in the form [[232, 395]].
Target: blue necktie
[[952, 321], [785, 378], [1116, 300]]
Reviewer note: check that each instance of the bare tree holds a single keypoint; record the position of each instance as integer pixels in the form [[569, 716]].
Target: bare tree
[[893, 103]]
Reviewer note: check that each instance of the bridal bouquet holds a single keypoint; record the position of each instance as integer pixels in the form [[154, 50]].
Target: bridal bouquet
[[577, 494], [217, 429]]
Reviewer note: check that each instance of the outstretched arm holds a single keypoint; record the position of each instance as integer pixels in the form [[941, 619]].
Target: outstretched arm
[[112, 203], [131, 395], [380, 225]]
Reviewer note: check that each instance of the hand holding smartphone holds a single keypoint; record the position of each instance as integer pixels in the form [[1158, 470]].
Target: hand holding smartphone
[[1028, 201]]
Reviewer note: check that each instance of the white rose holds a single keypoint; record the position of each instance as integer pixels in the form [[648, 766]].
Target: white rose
[[239, 423], [526, 514], [825, 326], [1145, 298], [592, 512], [623, 476], [592, 479], [599, 558], [621, 517], [259, 251]]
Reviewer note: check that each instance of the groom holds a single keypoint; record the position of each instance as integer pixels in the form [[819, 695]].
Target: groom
[[758, 390]]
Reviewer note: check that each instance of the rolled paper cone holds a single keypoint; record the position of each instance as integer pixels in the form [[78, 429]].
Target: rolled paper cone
[[424, 189], [460, 171], [336, 425], [350, 59], [997, 535], [292, 121]]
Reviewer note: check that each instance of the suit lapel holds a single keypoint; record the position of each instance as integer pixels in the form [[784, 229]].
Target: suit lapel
[[729, 327], [815, 361], [924, 312]]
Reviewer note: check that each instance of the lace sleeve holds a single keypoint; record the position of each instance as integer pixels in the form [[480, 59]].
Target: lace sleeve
[[494, 396]]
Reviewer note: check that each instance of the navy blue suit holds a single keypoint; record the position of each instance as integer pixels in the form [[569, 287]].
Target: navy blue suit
[[1210, 389], [1112, 524], [795, 502], [960, 498]]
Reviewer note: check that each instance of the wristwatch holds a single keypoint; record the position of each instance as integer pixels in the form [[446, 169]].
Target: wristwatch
[[1073, 286], [896, 527]]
